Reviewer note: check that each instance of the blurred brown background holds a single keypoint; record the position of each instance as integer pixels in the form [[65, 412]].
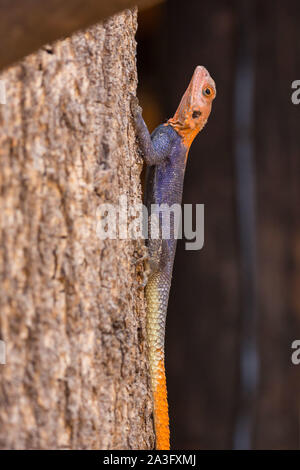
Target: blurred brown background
[[235, 305]]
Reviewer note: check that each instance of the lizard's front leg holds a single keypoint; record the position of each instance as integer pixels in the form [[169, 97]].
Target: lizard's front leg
[[154, 152]]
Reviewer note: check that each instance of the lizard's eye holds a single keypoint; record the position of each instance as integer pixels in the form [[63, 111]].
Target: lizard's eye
[[196, 114], [208, 91]]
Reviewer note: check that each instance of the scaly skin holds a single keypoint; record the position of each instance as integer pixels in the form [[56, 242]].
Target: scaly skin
[[165, 153]]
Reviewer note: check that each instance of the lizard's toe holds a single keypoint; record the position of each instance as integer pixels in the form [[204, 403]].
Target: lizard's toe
[[134, 105]]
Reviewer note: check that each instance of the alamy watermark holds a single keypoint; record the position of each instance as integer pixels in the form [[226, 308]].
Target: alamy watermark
[[295, 358], [161, 221], [2, 92], [296, 94], [2, 352]]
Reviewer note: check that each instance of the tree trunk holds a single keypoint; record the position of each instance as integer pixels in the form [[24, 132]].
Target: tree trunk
[[72, 314]]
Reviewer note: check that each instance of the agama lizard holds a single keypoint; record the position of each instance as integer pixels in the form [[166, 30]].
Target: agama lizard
[[165, 153]]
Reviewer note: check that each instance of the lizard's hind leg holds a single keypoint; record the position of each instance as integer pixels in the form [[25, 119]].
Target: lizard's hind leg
[[145, 261]]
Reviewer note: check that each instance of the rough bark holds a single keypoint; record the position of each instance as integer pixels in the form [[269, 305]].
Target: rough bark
[[26, 25], [72, 315]]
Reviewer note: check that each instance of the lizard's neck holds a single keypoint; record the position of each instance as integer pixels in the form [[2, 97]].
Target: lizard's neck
[[185, 132]]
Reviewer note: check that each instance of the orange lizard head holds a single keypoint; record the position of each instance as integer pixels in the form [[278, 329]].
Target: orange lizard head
[[195, 106]]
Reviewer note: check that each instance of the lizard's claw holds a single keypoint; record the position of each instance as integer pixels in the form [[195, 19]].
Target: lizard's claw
[[144, 255], [134, 105], [141, 260]]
